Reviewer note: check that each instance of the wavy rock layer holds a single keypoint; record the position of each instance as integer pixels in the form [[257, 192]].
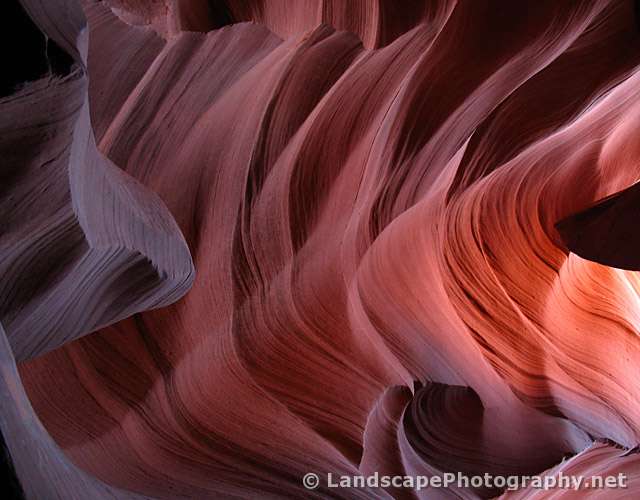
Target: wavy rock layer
[[83, 245], [412, 229]]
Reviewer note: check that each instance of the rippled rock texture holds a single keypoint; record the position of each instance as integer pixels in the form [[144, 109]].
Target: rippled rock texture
[[245, 240]]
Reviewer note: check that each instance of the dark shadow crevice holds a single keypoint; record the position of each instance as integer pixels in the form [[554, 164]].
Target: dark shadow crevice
[[29, 53]]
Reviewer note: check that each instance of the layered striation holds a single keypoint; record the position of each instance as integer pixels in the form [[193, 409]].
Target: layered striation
[[406, 233]]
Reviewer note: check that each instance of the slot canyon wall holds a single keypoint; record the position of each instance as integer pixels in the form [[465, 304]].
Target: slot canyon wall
[[244, 240]]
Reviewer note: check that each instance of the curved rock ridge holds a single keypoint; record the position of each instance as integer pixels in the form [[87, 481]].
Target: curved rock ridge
[[83, 244], [43, 468], [413, 234], [376, 22], [598, 460]]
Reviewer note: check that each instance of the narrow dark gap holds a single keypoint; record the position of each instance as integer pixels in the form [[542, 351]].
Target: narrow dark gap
[[219, 14], [8, 478], [28, 54]]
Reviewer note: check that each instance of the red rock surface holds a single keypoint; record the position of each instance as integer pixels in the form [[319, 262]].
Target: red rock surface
[[245, 240]]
